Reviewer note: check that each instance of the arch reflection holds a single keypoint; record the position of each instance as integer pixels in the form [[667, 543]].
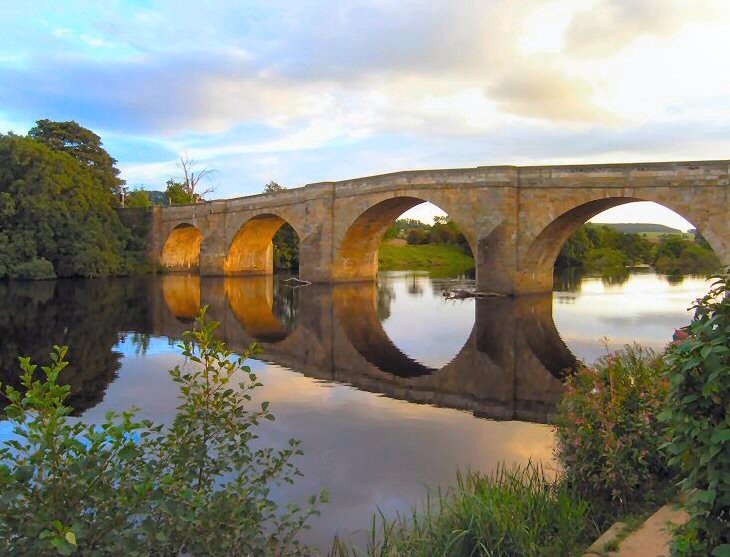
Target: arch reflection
[[182, 295], [266, 315], [359, 309]]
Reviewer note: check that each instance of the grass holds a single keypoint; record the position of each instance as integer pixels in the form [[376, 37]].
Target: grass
[[425, 257], [518, 511]]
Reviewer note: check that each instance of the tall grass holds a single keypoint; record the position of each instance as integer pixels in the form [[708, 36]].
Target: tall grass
[[510, 512]]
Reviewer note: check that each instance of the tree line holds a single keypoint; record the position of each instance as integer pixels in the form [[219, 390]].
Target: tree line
[[598, 247], [443, 231], [58, 192]]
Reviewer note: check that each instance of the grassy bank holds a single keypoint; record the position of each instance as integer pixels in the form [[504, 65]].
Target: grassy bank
[[423, 257], [519, 511]]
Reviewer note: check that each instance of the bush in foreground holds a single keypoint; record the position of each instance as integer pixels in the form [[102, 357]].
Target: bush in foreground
[[608, 432], [521, 511], [129, 487], [698, 416]]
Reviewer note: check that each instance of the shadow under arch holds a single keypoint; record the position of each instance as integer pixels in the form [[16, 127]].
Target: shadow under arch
[[251, 300], [357, 257], [181, 251], [356, 308], [251, 251], [182, 296]]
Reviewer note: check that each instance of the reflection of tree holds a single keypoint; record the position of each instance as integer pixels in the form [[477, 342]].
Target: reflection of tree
[[386, 295], [286, 304], [675, 279], [140, 341], [567, 279], [85, 315], [415, 287], [615, 277]]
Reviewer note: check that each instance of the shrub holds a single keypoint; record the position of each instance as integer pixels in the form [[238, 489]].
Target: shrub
[[510, 512], [129, 487], [608, 433], [604, 258], [698, 415], [35, 269]]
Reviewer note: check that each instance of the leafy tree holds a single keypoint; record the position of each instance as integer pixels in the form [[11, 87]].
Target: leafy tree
[[417, 236], [177, 193], [696, 412], [286, 249], [57, 210], [138, 199], [199, 486], [83, 145], [273, 187]]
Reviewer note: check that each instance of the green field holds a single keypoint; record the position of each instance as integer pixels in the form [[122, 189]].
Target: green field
[[434, 257]]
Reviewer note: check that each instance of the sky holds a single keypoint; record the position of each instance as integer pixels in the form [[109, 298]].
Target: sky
[[305, 91]]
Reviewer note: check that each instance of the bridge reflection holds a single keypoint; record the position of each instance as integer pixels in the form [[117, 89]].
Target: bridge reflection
[[510, 366]]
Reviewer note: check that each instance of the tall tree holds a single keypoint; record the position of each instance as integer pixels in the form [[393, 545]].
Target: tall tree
[[82, 144], [185, 189], [55, 210]]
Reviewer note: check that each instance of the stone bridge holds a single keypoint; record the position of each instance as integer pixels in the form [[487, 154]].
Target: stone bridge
[[515, 219], [510, 367]]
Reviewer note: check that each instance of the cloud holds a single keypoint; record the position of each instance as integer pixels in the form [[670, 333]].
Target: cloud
[[328, 89], [607, 26], [545, 92]]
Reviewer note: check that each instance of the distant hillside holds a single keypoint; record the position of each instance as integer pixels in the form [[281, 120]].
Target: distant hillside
[[639, 227]]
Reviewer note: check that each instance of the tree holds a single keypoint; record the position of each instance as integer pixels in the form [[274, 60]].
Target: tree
[[177, 194], [190, 181], [273, 187], [83, 145], [138, 199], [55, 209]]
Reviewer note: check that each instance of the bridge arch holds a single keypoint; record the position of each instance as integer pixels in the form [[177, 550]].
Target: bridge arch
[[181, 251], [357, 255], [251, 251], [546, 231]]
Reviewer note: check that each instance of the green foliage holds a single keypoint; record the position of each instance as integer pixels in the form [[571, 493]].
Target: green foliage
[[139, 199], [676, 254], [178, 194], [600, 247], [35, 269], [83, 145], [130, 487], [417, 237], [54, 208], [698, 416], [598, 259], [510, 512], [589, 245], [400, 228], [608, 434], [273, 187], [286, 249]]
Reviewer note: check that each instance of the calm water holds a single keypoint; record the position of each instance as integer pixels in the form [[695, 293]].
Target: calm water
[[390, 386]]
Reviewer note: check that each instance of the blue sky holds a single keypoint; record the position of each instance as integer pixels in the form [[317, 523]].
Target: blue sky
[[306, 91]]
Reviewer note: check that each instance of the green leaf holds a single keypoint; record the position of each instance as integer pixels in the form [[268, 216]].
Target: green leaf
[[721, 550], [70, 537]]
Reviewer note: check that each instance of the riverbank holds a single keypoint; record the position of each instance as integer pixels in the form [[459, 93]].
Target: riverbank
[[437, 257]]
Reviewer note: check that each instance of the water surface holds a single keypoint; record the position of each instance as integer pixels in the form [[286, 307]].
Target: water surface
[[390, 387]]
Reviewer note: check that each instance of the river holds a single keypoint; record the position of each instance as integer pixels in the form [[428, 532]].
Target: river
[[391, 387]]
